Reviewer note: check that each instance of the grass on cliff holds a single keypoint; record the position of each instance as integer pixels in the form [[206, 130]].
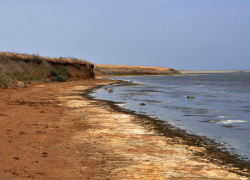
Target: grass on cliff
[[22, 67]]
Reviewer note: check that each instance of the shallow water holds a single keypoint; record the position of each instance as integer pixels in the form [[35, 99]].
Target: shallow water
[[220, 109]]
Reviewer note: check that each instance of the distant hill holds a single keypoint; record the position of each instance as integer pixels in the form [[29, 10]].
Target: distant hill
[[120, 70]]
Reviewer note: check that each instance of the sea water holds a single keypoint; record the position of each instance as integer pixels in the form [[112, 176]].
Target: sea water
[[219, 111]]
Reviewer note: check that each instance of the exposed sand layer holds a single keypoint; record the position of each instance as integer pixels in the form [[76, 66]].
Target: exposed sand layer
[[51, 131]]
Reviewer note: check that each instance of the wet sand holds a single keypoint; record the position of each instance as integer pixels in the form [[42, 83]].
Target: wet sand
[[55, 131]]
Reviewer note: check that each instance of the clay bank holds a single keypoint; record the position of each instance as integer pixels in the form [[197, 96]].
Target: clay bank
[[29, 68]]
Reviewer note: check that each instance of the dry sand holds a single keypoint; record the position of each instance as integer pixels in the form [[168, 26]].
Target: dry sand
[[51, 131]]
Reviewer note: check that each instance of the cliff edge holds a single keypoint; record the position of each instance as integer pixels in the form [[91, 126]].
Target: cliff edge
[[26, 68]]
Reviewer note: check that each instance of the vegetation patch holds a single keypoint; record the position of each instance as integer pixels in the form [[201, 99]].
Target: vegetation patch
[[60, 74], [59, 78]]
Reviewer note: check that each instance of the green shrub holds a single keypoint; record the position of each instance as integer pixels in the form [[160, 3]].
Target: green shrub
[[59, 71], [54, 72], [53, 78], [59, 78], [58, 74], [63, 71]]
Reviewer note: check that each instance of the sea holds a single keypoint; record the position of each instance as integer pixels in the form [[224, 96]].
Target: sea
[[220, 109]]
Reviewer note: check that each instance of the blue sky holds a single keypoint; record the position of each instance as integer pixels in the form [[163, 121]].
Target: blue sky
[[180, 34]]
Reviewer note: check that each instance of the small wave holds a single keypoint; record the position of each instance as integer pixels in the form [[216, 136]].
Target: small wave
[[224, 116], [122, 104], [157, 117], [224, 121], [232, 121]]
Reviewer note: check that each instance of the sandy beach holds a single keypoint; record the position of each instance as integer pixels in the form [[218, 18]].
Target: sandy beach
[[54, 131]]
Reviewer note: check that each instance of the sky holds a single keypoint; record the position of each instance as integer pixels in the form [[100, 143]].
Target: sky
[[179, 34]]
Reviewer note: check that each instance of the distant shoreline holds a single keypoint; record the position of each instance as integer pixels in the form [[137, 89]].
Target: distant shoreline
[[205, 72], [124, 70]]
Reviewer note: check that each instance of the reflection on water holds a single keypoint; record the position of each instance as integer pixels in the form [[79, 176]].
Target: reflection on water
[[220, 109]]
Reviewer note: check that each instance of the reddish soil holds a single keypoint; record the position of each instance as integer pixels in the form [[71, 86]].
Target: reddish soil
[[32, 132], [50, 131]]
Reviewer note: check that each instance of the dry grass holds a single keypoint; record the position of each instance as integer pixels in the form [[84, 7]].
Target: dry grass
[[101, 69], [38, 59]]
